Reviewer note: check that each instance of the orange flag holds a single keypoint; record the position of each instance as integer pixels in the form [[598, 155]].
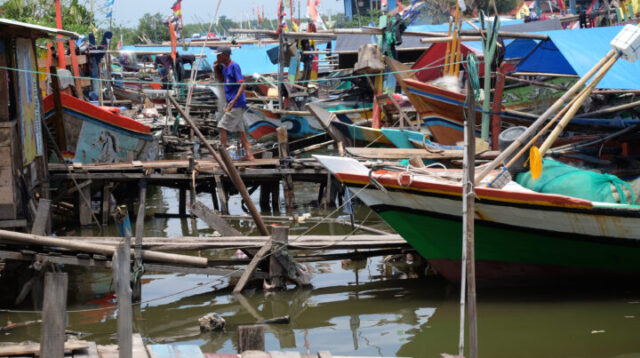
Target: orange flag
[[174, 40]]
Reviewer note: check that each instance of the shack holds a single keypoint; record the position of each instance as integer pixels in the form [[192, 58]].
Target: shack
[[23, 142]]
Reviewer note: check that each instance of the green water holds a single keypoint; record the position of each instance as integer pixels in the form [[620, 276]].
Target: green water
[[366, 308]]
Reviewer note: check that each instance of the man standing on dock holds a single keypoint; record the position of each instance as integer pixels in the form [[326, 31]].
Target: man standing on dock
[[236, 101]]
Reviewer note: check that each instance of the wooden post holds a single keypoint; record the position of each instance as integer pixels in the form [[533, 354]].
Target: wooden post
[[42, 217], [497, 104], [222, 195], [137, 252], [58, 120], [84, 206], [121, 273], [327, 192], [192, 190], [182, 205], [280, 239], [265, 194], [54, 311], [281, 55], [287, 180], [75, 67], [468, 279], [106, 203], [250, 338]]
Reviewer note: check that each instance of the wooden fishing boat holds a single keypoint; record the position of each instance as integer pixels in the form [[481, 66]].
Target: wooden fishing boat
[[262, 122], [521, 236], [98, 135], [444, 114]]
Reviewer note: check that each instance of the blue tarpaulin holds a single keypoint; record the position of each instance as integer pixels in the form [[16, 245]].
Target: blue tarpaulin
[[252, 58], [577, 51], [520, 48]]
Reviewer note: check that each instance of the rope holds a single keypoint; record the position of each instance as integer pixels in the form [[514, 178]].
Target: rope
[[275, 82]]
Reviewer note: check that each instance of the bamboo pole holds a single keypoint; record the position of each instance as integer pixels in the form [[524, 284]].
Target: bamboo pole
[[574, 108], [449, 44], [540, 121], [99, 249], [468, 278]]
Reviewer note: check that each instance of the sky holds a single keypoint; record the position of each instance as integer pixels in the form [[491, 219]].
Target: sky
[[127, 12]]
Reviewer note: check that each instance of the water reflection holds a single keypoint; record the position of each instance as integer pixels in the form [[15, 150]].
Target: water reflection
[[364, 307]]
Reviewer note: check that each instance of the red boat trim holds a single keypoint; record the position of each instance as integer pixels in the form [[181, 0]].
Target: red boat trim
[[390, 180], [97, 113]]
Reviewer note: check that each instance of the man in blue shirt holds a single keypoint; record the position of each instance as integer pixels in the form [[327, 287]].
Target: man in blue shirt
[[236, 101]]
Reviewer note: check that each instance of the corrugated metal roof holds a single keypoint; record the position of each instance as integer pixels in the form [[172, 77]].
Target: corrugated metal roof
[[41, 29]]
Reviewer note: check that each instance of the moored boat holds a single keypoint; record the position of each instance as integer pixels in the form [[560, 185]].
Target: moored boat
[[521, 236], [98, 135]]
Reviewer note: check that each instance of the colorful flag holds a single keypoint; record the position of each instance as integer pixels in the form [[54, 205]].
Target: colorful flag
[[109, 7], [177, 9]]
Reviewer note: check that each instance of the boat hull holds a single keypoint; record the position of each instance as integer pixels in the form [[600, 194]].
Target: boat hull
[[96, 135], [519, 235]]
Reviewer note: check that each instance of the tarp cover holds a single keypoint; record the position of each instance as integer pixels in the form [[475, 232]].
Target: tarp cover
[[251, 58], [577, 51]]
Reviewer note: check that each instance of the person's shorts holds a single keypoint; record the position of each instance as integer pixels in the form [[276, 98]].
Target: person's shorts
[[232, 121]]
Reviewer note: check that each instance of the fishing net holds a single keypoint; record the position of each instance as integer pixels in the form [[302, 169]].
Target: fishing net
[[559, 178]]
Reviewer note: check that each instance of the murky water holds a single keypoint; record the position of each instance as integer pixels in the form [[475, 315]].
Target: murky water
[[354, 308]]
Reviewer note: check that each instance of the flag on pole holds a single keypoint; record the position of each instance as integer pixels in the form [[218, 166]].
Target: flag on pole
[[109, 7], [177, 9]]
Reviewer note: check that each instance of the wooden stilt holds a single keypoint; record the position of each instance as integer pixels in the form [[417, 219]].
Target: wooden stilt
[[322, 199], [265, 195], [121, 273], [84, 208], [275, 197], [214, 199], [222, 195], [250, 338], [137, 253], [42, 217], [277, 274], [106, 203], [54, 315], [329, 193], [182, 208], [192, 191], [287, 180]]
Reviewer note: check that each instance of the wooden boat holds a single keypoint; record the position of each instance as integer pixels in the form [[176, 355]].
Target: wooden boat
[[98, 135], [521, 236], [262, 122], [444, 114]]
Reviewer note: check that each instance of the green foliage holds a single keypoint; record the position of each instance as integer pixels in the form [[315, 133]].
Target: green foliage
[[151, 27], [75, 17]]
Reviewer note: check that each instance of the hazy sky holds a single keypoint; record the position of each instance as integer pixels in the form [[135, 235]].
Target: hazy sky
[[127, 12]]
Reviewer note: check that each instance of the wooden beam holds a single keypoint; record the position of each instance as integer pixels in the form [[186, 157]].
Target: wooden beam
[[260, 255], [214, 220]]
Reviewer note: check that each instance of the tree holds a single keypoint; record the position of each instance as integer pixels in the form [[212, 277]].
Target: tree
[[75, 17], [152, 28]]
